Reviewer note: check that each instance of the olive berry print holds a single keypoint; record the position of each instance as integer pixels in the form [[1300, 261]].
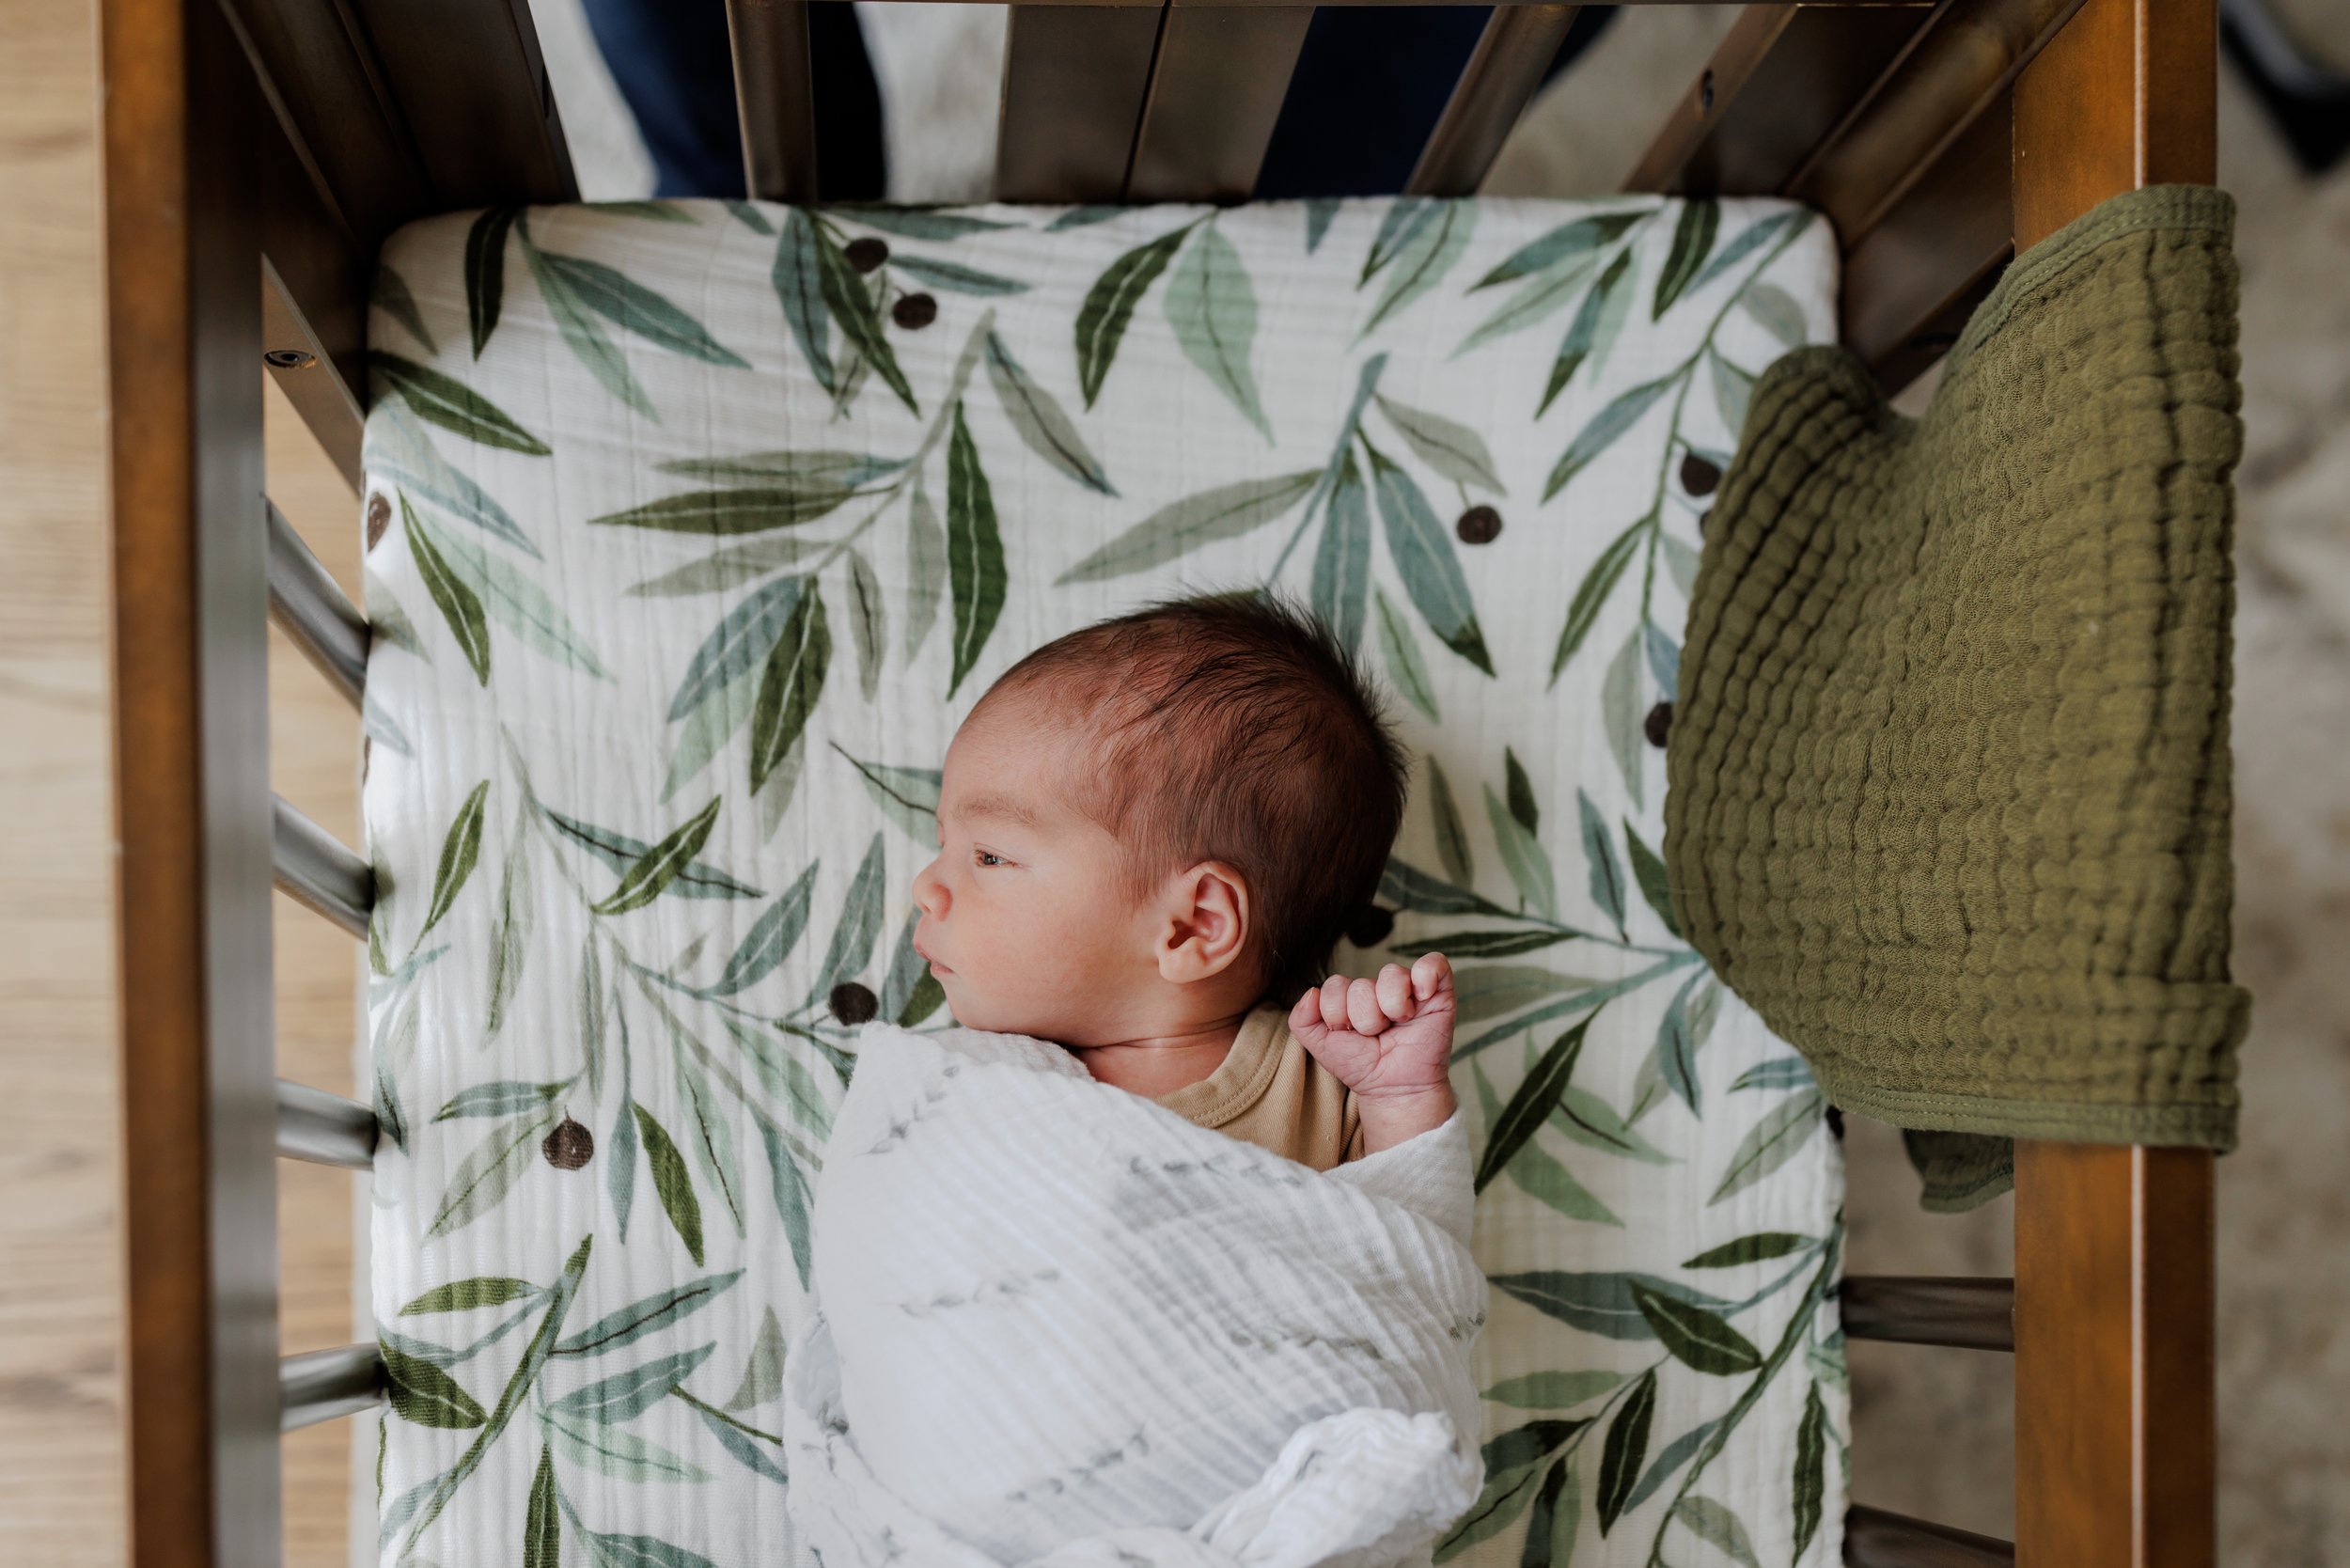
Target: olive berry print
[[693, 528]]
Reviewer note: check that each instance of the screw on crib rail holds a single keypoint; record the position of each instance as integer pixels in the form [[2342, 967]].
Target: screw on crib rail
[[323, 1385], [310, 608], [323, 1128], [315, 871], [1972, 1314], [1876, 1539]]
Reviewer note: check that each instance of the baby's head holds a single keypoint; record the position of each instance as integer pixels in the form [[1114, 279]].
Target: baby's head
[[1157, 820]]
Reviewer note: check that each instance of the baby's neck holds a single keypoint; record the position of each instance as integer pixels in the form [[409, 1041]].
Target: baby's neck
[[1154, 1065]]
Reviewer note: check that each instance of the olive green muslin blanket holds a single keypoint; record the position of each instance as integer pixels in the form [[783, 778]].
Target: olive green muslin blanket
[[1949, 785]]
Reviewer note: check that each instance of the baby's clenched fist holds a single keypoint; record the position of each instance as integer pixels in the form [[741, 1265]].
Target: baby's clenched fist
[[1389, 1039]]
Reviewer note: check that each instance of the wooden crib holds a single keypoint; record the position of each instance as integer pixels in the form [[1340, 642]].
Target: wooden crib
[[280, 141]]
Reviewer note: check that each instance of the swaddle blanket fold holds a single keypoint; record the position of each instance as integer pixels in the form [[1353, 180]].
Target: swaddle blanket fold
[[1054, 1323]]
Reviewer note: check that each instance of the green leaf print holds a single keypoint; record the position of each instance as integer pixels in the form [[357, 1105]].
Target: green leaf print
[[1520, 790], [750, 562], [1522, 854], [1424, 559], [1599, 1302], [485, 1177], [658, 867], [1568, 241], [1611, 422], [1733, 390], [543, 1523], [798, 279], [396, 448], [638, 1551], [459, 607], [505, 1097], [1593, 331], [514, 600], [1341, 579], [1182, 526], [790, 1188], [770, 938], [1400, 651], [1648, 869], [1409, 887], [750, 216], [672, 1183], [391, 294], [1700, 1339], [697, 879], [1775, 311], [1558, 1515], [796, 468], [1620, 700], [509, 932], [658, 211], [1404, 220], [627, 304], [710, 1138], [1760, 1248], [926, 567], [1109, 304], [1485, 944], [1588, 1119], [954, 277], [485, 272], [1600, 581], [1513, 1464], [646, 1315], [852, 305], [1084, 217], [1422, 260], [1319, 211], [1542, 297], [1752, 238], [791, 685], [1213, 307], [620, 1149], [741, 642], [446, 402], [738, 1440], [907, 796], [1490, 990], [1668, 1460], [461, 849], [1552, 1391], [1450, 447], [727, 512], [574, 318], [1693, 239], [1626, 1447], [975, 550], [1452, 845], [923, 223], [1039, 420], [609, 1451], [859, 926], [1677, 1047], [1771, 1142], [1530, 1106], [423, 1393], [464, 1295], [1780, 1073], [763, 1372], [1714, 1522], [1810, 1478], [1599, 851]]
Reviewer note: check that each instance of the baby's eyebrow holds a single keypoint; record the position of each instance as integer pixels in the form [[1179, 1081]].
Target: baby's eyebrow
[[998, 806]]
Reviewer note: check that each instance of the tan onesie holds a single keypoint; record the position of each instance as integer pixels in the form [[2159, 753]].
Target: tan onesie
[[1270, 1091]]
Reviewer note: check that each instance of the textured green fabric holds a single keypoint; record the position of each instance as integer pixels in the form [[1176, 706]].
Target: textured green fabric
[[1949, 785]]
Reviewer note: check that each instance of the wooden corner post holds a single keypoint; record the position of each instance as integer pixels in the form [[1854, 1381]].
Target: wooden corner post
[[2115, 1453]]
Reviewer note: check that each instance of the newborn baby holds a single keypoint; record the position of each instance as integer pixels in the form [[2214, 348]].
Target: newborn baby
[[1152, 829]]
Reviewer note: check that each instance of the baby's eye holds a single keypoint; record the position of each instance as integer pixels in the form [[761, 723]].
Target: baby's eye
[[987, 857]]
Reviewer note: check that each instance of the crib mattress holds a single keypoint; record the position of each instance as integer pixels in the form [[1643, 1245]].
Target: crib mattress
[[691, 530]]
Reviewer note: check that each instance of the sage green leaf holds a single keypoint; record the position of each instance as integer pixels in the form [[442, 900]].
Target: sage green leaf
[[1523, 854], [1182, 526], [730, 568], [1422, 260], [1213, 307], [1452, 449], [1557, 1516], [389, 622], [1592, 595], [737, 1439], [616, 1331], [446, 402], [744, 510], [543, 1521], [651, 872], [460, 848], [1409, 887], [1810, 1478], [1512, 1468], [575, 318], [708, 1135], [464, 1295], [762, 1372], [1452, 845], [1402, 651], [791, 684], [485, 272], [1626, 1447], [1530, 1105], [624, 1396], [1599, 1303], [784, 1077], [1552, 1391], [852, 305], [1423, 558], [1405, 219], [391, 295], [859, 926], [1593, 333], [1681, 563], [1668, 1460], [1485, 944], [1771, 1142], [1544, 296], [620, 1153], [505, 1097], [1676, 1051], [1693, 240], [396, 447], [926, 223], [639, 1551], [1700, 1339], [792, 1202], [1319, 211], [907, 796], [1780, 1073], [1040, 421], [659, 211], [1750, 239], [792, 465], [1775, 311], [750, 216], [1648, 869], [905, 967], [1606, 871], [1758, 1247], [975, 550], [741, 642], [627, 303], [1109, 304], [708, 729], [798, 279], [1522, 807], [925, 567], [1490, 990], [611, 1451], [459, 607], [1592, 1122], [1611, 422], [929, 997], [1342, 580], [514, 601], [1734, 390], [1622, 705], [424, 1394], [697, 879], [1568, 241], [954, 277], [770, 938], [485, 1177], [672, 1183], [1827, 1361]]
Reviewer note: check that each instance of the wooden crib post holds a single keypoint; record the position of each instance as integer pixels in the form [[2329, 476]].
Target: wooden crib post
[[2114, 1427]]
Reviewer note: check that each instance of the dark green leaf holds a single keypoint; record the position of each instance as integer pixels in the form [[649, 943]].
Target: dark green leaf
[[1648, 869], [852, 306], [1452, 848], [1700, 1339], [461, 849], [725, 512], [771, 939], [627, 1395], [1423, 558], [750, 217], [1409, 887], [446, 402], [1175, 530], [1514, 1460], [1771, 1142], [798, 279], [1778, 1073], [1402, 651], [954, 277], [1531, 1105], [1593, 331], [575, 318], [853, 937], [1485, 944], [424, 1394], [1592, 1122], [1597, 1303], [464, 1295], [392, 297], [654, 871], [672, 1183], [1490, 990], [640, 1551], [1040, 421], [791, 685], [1540, 298], [1626, 1447], [1607, 425], [1319, 211], [1583, 610], [1405, 219], [785, 1077], [543, 1523], [1693, 239], [905, 967], [1667, 1460], [1109, 304], [1423, 258], [503, 1098], [1542, 1176], [1084, 217], [644, 1316], [1677, 1047], [1811, 1470], [741, 640], [509, 934], [1552, 1391], [929, 997], [925, 222], [485, 1176], [626, 302], [1520, 790], [699, 880], [975, 550], [485, 272], [817, 466], [1342, 580], [1599, 849], [868, 623], [1750, 238], [1213, 307], [659, 211], [1523, 856], [459, 604], [1568, 240], [396, 448], [1758, 1247], [792, 1202], [1550, 1528]]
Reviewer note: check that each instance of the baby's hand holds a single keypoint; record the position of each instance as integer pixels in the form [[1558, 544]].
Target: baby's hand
[[1390, 1041]]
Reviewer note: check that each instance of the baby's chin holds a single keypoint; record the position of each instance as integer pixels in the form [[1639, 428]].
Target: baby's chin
[[993, 1014]]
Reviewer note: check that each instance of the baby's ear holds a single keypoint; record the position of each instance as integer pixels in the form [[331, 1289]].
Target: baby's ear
[[1207, 925]]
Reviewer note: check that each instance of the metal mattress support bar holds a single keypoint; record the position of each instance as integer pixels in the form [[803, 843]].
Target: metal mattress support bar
[[310, 608], [1876, 1539], [314, 869], [323, 1128], [1972, 1314], [323, 1385]]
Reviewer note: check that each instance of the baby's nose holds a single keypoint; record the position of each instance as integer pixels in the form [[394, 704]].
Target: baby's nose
[[930, 892]]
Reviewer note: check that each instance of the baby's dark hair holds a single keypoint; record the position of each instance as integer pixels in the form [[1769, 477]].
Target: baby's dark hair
[[1236, 728]]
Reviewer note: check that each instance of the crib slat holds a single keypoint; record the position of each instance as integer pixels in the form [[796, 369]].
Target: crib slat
[[1516, 47], [310, 608], [1876, 1538], [1074, 81], [314, 869], [1973, 1314], [775, 97], [1215, 93], [323, 1128], [321, 1385]]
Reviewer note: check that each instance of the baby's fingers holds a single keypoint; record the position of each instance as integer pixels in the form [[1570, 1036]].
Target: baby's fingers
[[1332, 997], [1394, 987], [1362, 1008], [1430, 973]]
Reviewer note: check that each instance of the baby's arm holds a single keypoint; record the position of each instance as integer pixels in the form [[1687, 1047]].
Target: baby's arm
[[1390, 1041]]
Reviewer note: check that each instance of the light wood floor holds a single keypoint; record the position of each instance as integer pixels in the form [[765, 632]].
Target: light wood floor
[[60, 1468]]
